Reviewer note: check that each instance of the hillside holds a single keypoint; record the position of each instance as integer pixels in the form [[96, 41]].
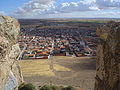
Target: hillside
[[61, 71]]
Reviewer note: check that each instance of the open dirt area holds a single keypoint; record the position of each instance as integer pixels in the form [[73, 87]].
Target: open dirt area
[[66, 71]]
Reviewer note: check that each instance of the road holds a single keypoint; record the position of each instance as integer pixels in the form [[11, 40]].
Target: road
[[25, 47]]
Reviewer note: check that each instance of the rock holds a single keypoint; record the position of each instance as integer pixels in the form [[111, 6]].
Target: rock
[[10, 73], [108, 58]]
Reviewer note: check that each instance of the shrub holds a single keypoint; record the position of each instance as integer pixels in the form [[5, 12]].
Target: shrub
[[51, 87], [48, 87], [69, 88], [24, 86]]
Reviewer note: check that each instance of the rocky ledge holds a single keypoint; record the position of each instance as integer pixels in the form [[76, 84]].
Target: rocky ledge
[[10, 73]]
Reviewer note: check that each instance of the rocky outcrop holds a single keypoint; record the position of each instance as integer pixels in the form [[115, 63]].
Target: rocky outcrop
[[108, 57], [10, 74]]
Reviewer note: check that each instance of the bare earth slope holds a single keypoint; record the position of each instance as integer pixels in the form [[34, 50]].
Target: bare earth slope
[[77, 72]]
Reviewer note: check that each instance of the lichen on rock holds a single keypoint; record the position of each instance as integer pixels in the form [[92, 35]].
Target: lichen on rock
[[10, 73]]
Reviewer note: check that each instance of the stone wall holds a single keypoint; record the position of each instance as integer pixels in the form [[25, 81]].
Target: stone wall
[[108, 57], [10, 73]]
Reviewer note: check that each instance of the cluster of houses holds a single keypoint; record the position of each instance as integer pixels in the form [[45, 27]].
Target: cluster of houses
[[46, 42], [41, 47], [47, 47]]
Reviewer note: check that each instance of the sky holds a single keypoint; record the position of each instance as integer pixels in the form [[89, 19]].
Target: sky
[[60, 8]]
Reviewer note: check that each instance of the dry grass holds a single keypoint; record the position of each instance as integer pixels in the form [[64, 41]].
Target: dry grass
[[62, 57], [59, 72], [72, 58], [37, 67], [36, 73], [60, 68], [42, 67]]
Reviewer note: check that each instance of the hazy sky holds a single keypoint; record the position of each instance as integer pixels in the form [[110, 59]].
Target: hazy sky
[[61, 8]]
